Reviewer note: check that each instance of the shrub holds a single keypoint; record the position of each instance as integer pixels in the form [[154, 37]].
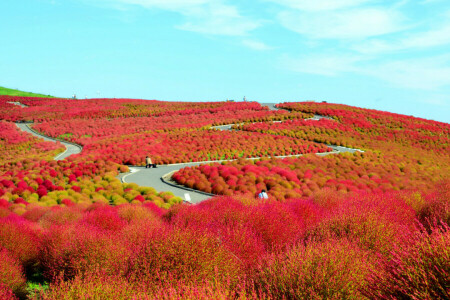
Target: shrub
[[61, 216], [184, 255], [419, 271], [90, 286], [104, 217], [11, 274], [6, 293], [20, 238], [333, 269], [374, 221], [75, 249]]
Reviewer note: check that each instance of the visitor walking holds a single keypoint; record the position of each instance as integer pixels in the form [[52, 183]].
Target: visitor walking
[[263, 195], [148, 162]]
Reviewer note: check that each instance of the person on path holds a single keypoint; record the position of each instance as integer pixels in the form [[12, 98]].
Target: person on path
[[148, 162], [263, 195]]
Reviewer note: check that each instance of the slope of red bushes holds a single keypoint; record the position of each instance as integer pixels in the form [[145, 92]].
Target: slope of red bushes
[[349, 226], [326, 246], [16, 145]]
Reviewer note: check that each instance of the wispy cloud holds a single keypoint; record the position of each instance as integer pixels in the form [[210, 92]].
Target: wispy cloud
[[413, 41], [355, 37], [256, 45], [430, 73], [321, 64], [319, 5], [348, 24], [214, 17], [218, 19], [437, 100]]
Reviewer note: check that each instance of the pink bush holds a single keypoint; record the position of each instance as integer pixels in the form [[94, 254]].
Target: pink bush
[[11, 274], [333, 269], [421, 270], [80, 249], [21, 239], [6, 293], [189, 256]]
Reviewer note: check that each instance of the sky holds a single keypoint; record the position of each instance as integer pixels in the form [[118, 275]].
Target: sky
[[387, 55]]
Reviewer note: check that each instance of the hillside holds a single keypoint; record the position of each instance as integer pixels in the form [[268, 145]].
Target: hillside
[[357, 201], [13, 92]]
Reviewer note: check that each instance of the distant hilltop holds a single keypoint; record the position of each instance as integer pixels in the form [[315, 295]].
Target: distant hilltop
[[14, 92]]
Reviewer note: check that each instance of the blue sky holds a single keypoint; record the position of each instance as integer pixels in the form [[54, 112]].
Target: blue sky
[[387, 55]]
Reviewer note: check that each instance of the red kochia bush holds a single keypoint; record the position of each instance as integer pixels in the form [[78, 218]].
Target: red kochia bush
[[60, 216], [248, 231], [35, 213], [100, 286], [20, 238], [75, 249], [373, 221], [11, 274], [6, 293], [91, 286], [277, 225], [333, 269], [104, 217], [419, 271], [437, 205], [187, 256]]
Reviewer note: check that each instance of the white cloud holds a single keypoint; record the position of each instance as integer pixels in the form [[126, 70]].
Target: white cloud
[[347, 24], [431, 73], [164, 4], [420, 74], [323, 64], [256, 45], [421, 40], [204, 16], [320, 5], [220, 19], [431, 1], [439, 100]]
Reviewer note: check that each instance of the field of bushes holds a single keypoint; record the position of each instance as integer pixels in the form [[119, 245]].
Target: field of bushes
[[363, 225]]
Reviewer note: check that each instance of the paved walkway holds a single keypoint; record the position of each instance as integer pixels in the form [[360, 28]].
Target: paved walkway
[[154, 178], [18, 104], [271, 106], [70, 147]]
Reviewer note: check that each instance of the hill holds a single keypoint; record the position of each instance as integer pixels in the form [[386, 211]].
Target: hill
[[13, 92], [358, 201]]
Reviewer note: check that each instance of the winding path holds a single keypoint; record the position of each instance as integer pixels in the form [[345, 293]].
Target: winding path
[[71, 148], [18, 104], [160, 178]]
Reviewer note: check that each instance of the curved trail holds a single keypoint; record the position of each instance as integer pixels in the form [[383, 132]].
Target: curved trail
[[159, 178], [18, 104], [71, 148]]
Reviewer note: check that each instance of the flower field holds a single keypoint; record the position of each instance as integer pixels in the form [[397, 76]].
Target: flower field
[[401, 153], [303, 176], [16, 145], [179, 146], [365, 128], [370, 225], [125, 131], [370, 245]]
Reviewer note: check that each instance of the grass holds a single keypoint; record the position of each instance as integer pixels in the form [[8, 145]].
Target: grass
[[13, 92], [65, 136]]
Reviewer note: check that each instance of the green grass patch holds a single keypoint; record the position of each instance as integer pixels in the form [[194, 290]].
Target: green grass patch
[[13, 92], [65, 136], [36, 283]]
